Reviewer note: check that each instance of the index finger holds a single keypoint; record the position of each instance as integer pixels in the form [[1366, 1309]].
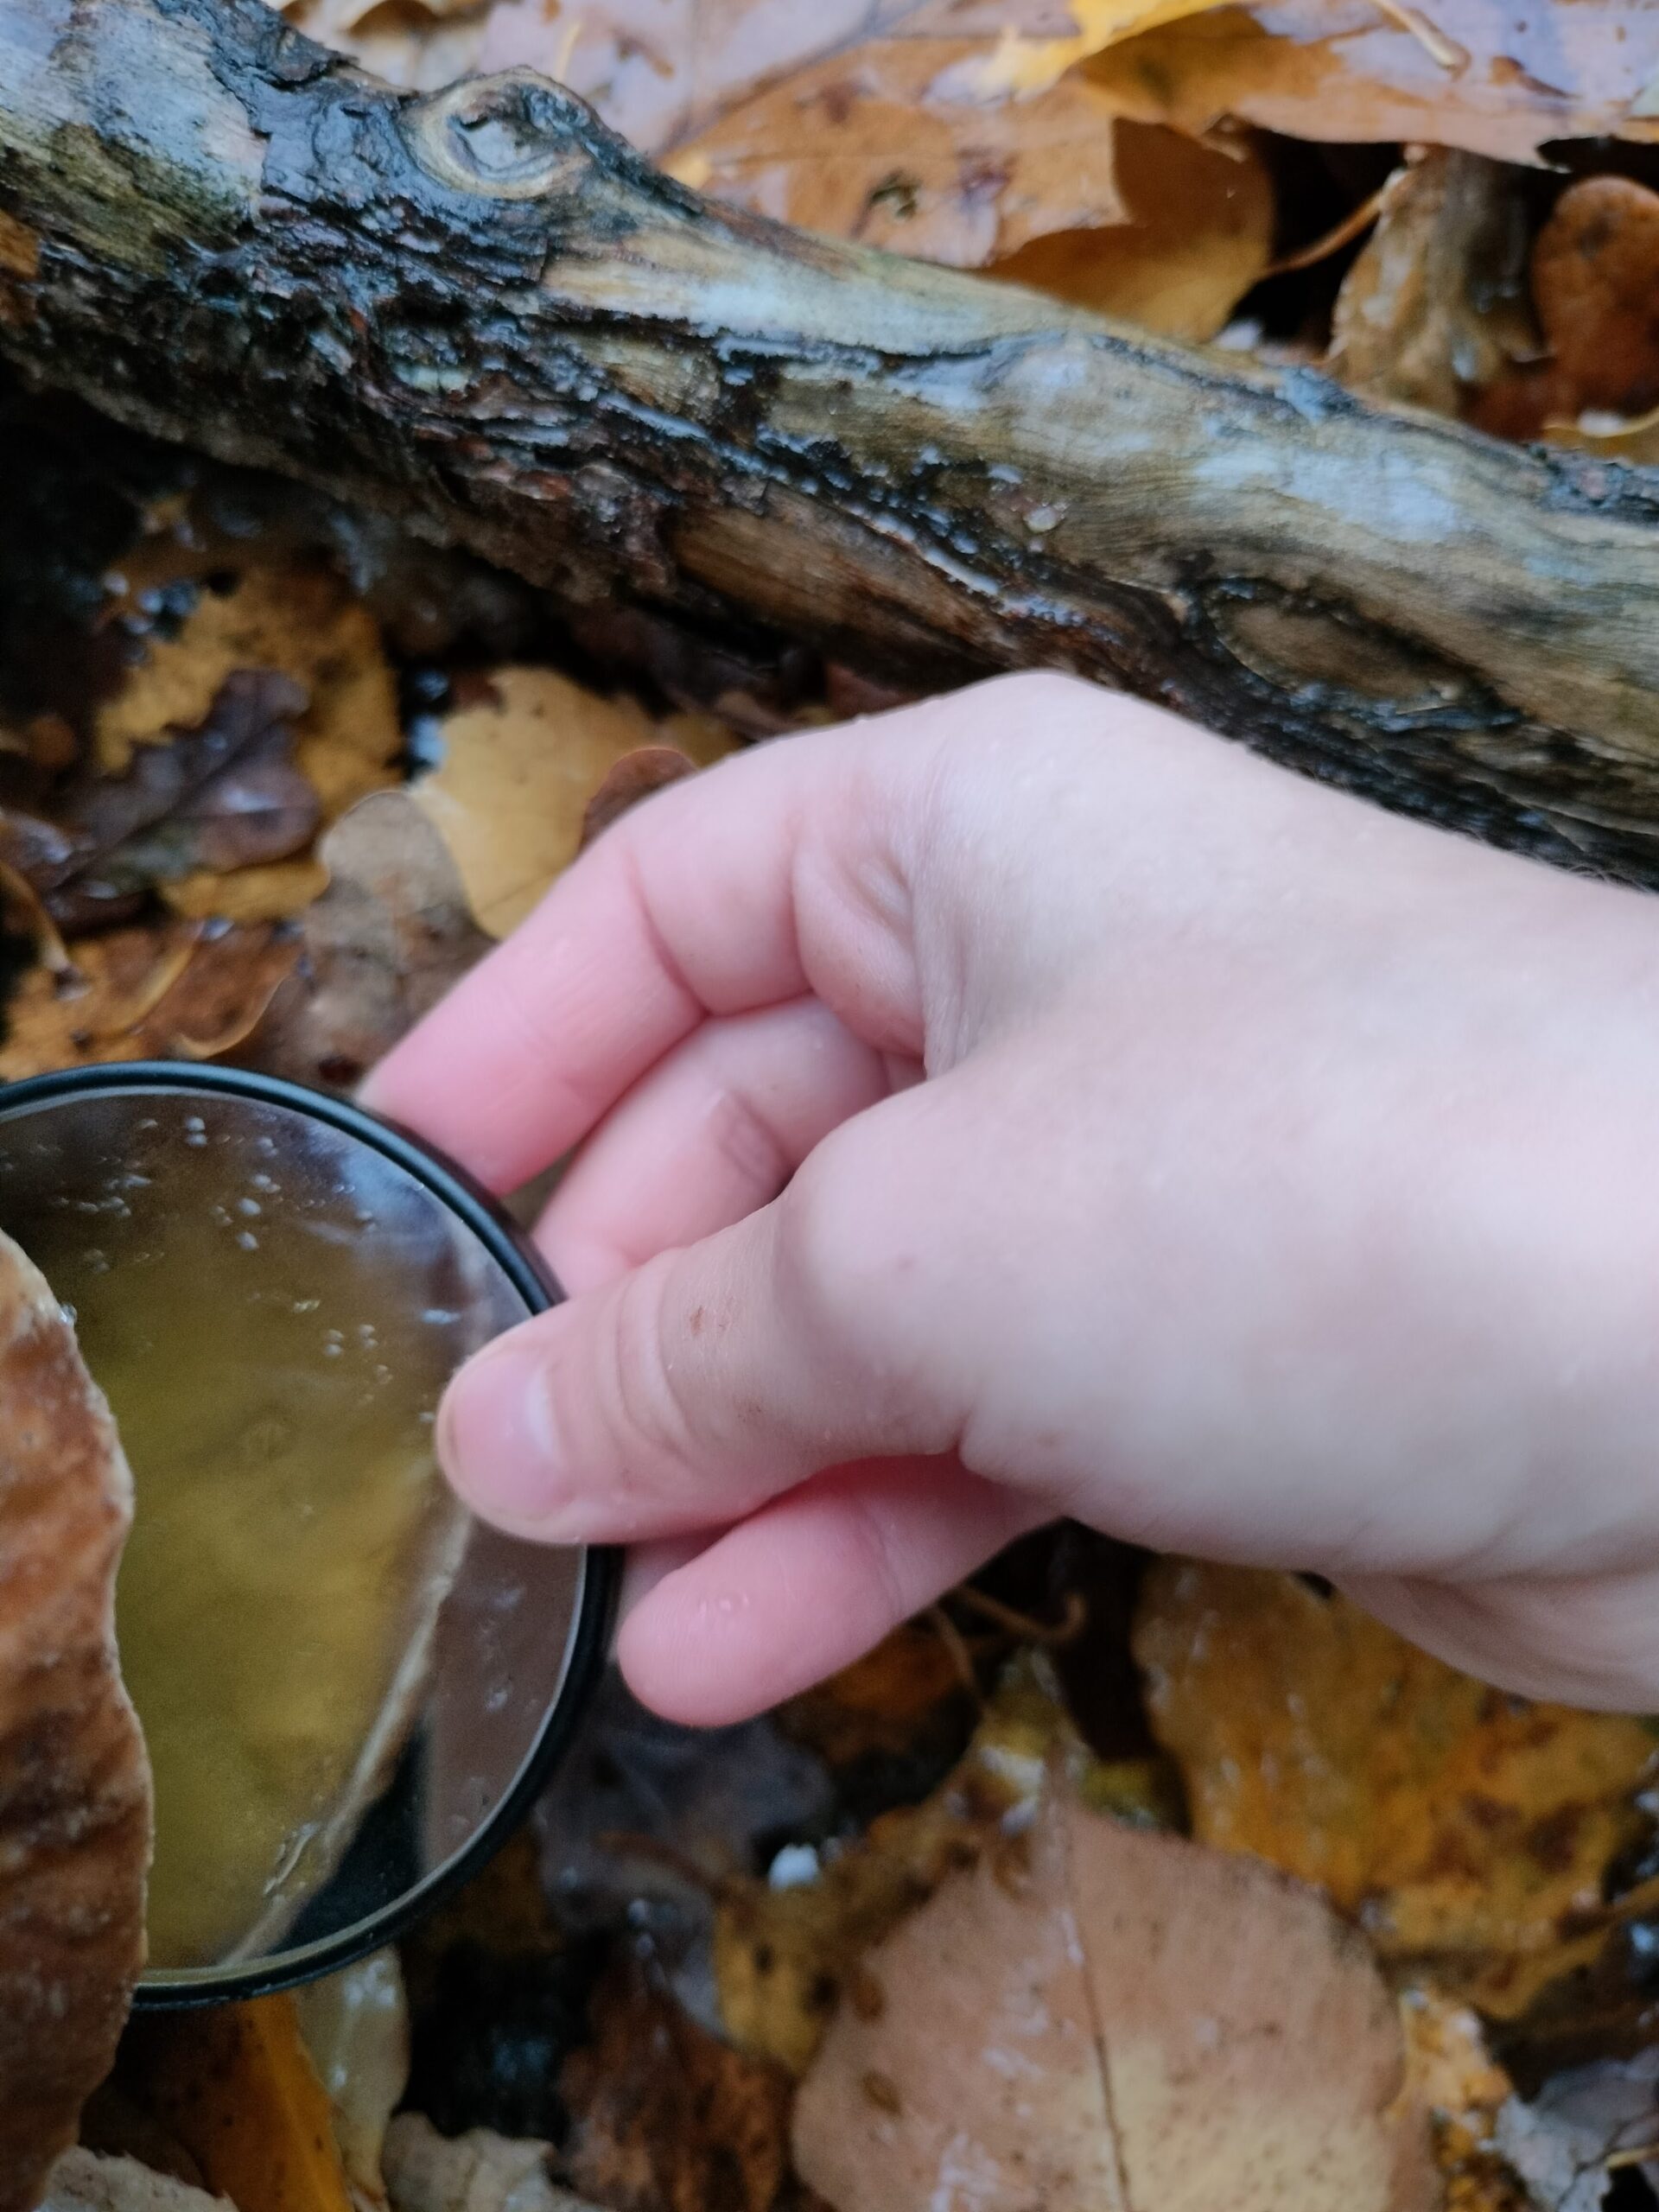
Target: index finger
[[686, 908]]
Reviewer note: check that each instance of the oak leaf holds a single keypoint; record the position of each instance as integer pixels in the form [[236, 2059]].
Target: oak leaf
[[1099, 2018]]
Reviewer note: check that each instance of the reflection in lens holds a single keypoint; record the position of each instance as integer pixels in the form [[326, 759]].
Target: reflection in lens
[[273, 1309]]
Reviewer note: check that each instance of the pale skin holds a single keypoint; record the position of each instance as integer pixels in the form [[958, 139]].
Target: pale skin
[[1027, 1104]]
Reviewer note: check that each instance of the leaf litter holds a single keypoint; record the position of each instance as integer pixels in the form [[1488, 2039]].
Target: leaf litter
[[271, 778]]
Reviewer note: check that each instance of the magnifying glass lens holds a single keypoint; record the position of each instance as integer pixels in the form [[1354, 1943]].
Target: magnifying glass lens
[[341, 1679]]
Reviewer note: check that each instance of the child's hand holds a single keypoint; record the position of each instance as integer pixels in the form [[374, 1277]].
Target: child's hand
[[1026, 1104]]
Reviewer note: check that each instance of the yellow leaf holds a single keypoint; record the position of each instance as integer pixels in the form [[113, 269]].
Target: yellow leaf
[[1023, 65], [1469, 1830], [517, 775]]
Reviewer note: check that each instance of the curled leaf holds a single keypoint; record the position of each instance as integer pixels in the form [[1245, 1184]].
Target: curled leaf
[[74, 1781]]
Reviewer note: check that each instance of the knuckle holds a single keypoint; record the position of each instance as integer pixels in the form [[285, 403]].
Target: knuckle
[[849, 1261], [746, 1140]]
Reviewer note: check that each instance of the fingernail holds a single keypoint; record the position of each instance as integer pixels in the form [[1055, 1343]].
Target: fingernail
[[498, 1441]]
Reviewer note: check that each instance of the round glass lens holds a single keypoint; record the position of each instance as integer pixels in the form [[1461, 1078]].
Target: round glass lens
[[342, 1677]]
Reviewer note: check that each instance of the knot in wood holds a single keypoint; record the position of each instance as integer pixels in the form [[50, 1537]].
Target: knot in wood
[[511, 137]]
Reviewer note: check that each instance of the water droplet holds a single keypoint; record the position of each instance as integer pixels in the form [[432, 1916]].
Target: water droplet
[[247, 1240], [250, 1207]]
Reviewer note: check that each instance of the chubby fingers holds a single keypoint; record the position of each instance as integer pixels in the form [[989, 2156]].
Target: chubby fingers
[[761, 881], [686, 1392], [810, 1583], [713, 1132]]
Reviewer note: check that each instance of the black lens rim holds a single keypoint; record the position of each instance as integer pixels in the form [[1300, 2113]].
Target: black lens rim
[[601, 1564]]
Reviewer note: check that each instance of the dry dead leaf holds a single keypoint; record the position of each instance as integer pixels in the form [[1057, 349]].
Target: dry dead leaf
[[236, 2086], [303, 621], [518, 772], [635, 777], [954, 133], [1198, 233], [666, 2118], [1466, 1830], [181, 990], [82, 2181], [1582, 2128], [386, 940], [1497, 76], [74, 1781], [1101, 2018], [1435, 305]]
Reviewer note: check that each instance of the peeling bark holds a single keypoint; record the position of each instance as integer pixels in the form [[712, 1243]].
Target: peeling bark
[[481, 312]]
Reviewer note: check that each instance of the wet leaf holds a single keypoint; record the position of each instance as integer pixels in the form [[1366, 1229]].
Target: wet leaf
[[1595, 285], [222, 794], [1452, 2076], [649, 768], [1435, 305], [235, 2085], [1100, 2018], [518, 772], [666, 2118], [1467, 1831], [1496, 77], [178, 990], [303, 621], [74, 1783]]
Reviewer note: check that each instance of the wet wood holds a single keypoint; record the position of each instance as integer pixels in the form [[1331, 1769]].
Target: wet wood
[[480, 312]]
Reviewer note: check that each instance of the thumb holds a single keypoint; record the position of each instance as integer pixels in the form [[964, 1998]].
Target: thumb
[[691, 1390]]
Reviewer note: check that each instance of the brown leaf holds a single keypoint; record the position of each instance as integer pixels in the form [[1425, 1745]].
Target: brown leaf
[[391, 935], [1434, 306], [234, 2084], [1594, 271], [74, 1783], [221, 795], [187, 990], [296, 618], [783, 1956], [1496, 77], [666, 2118], [648, 768], [954, 132], [1197, 234], [1469, 1831], [1099, 2019], [518, 772]]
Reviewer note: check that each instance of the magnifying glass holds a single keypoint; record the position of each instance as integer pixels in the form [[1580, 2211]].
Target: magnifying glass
[[349, 1688]]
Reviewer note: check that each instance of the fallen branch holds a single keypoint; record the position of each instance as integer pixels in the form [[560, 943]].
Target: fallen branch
[[480, 311]]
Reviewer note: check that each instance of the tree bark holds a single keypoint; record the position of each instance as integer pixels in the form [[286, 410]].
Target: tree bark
[[480, 311]]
